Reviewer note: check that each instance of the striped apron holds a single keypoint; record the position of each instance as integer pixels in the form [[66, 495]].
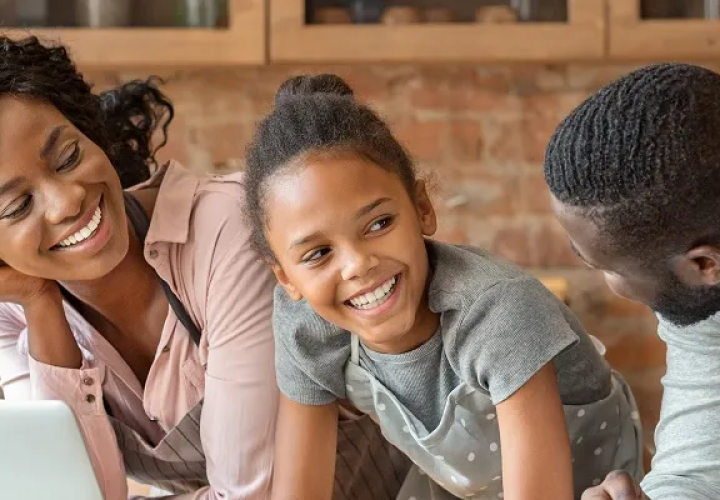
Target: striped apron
[[367, 466], [176, 464]]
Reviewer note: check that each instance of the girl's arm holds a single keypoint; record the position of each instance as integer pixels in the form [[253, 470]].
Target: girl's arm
[[536, 459], [305, 449]]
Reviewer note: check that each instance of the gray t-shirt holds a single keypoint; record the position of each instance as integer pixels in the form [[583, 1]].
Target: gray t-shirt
[[686, 465], [498, 327]]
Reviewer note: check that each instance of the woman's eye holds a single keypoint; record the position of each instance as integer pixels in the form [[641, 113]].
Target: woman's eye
[[381, 224], [15, 211], [71, 159]]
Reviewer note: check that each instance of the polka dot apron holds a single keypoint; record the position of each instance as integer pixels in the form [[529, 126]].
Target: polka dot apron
[[460, 458]]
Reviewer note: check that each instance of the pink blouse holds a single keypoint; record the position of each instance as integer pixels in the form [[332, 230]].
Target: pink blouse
[[199, 243]]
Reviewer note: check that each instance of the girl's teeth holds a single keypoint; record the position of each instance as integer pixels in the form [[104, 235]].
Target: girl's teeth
[[376, 297], [85, 232]]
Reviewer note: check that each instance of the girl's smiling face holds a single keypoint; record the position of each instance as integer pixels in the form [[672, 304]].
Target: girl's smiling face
[[349, 239]]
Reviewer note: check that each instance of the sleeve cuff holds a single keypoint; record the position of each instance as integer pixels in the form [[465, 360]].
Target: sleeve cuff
[[80, 389]]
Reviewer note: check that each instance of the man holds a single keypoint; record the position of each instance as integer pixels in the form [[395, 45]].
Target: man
[[635, 176]]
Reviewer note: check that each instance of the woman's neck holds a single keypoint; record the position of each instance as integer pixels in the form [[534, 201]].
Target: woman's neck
[[127, 296], [131, 283]]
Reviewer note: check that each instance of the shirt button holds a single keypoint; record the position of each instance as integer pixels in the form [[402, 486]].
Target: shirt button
[[88, 381], [154, 419], [166, 349], [153, 254], [89, 398]]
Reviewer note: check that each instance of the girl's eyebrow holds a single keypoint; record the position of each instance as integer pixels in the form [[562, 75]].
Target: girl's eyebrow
[[370, 207], [305, 239], [363, 211]]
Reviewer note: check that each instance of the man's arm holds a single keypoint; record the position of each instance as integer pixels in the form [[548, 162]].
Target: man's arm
[[686, 465]]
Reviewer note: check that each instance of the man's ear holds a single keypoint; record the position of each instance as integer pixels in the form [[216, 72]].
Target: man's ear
[[703, 265], [285, 282]]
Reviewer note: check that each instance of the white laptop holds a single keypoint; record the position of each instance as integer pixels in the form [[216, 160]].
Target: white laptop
[[42, 453]]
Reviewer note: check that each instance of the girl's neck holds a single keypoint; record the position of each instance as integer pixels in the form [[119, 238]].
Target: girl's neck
[[424, 328]]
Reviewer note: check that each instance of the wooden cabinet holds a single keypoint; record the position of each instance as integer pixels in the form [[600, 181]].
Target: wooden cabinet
[[243, 42], [275, 31], [582, 38], [632, 38]]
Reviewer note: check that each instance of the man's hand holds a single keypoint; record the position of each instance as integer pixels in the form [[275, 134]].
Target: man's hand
[[618, 485]]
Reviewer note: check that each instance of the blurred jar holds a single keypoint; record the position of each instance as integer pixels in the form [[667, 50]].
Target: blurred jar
[[192, 13], [102, 13], [8, 12], [31, 12], [540, 10], [665, 9], [703, 9], [61, 13], [203, 13], [366, 11]]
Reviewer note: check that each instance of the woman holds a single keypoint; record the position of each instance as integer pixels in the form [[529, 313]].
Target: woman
[[161, 343]]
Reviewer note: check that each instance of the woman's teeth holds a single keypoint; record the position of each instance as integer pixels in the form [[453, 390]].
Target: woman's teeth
[[375, 297], [85, 232]]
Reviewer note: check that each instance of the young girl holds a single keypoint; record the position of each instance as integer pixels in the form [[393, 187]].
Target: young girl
[[455, 354]]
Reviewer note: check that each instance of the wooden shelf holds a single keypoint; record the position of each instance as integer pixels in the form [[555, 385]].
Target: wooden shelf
[[242, 43], [631, 38], [582, 38]]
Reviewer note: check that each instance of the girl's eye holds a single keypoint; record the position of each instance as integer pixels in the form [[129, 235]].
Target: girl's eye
[[315, 255], [381, 224], [70, 159], [16, 211]]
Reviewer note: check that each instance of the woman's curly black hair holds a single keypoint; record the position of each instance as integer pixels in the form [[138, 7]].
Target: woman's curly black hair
[[120, 121]]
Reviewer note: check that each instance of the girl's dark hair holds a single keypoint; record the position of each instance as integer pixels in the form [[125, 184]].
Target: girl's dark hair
[[316, 114], [120, 121]]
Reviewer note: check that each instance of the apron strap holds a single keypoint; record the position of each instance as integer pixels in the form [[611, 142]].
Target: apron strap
[[354, 348], [141, 223]]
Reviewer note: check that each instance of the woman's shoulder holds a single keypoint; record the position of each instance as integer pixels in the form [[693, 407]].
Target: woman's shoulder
[[204, 208]]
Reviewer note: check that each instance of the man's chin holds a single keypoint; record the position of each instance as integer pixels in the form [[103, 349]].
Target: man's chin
[[687, 316]]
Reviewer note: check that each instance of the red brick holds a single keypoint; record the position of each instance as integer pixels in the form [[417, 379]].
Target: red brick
[[533, 195], [512, 244], [542, 103], [549, 245], [426, 140], [487, 193], [177, 143], [465, 140], [536, 131], [368, 86], [461, 92], [533, 78], [455, 236], [592, 78], [505, 141], [224, 141], [494, 79]]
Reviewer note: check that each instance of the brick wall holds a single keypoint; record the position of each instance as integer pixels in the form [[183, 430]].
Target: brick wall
[[482, 131]]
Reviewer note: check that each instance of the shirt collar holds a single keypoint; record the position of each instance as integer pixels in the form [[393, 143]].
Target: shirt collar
[[170, 220]]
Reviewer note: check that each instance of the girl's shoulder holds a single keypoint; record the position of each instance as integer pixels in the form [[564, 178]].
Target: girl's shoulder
[[461, 273]]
